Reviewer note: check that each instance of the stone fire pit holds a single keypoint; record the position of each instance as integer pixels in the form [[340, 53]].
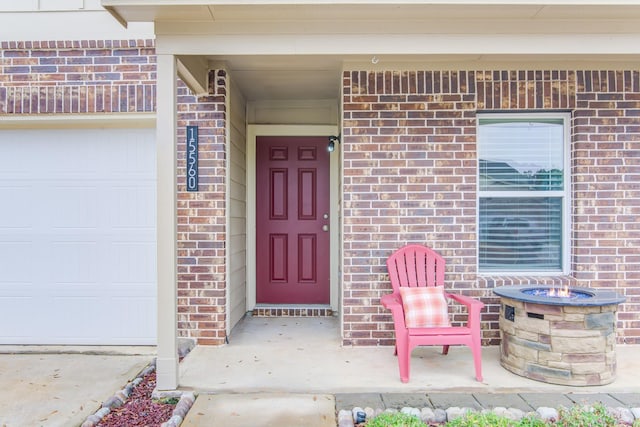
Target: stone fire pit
[[568, 340]]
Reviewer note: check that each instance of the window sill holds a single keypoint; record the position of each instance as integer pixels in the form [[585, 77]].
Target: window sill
[[489, 281]]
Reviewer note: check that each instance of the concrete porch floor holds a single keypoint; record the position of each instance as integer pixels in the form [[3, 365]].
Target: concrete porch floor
[[304, 355]]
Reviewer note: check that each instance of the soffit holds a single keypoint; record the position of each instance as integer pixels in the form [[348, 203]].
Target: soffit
[[275, 77], [212, 11], [266, 44]]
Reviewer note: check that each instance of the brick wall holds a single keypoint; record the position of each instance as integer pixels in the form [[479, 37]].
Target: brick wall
[[409, 171], [606, 167], [77, 77], [119, 76], [201, 217], [410, 176]]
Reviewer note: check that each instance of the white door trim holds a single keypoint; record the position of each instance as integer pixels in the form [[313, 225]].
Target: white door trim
[[253, 131]]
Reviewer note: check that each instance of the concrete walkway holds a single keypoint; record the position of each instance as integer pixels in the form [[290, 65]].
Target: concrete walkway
[[283, 372], [48, 386], [526, 402], [319, 410], [262, 410], [304, 355], [275, 370]]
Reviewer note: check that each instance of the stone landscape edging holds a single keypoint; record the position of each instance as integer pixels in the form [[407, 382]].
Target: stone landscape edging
[[186, 400]]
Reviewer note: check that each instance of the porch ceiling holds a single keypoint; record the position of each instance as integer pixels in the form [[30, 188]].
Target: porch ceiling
[[320, 77], [284, 77], [293, 49]]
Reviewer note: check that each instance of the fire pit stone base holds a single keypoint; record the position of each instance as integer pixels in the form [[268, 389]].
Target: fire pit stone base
[[559, 344]]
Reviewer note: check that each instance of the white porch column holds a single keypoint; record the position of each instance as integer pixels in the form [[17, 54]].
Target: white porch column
[[167, 361]]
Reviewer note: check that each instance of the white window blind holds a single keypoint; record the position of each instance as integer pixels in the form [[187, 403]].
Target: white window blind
[[522, 193]]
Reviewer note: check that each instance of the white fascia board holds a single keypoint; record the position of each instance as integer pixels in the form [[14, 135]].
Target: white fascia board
[[397, 44], [78, 121], [404, 27]]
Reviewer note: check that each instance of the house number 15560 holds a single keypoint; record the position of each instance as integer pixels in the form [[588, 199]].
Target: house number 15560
[[192, 158]]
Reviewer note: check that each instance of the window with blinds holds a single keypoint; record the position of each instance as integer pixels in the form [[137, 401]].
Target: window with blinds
[[523, 193]]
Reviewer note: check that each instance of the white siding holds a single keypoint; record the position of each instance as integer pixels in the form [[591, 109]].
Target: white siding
[[294, 112], [64, 20], [237, 279]]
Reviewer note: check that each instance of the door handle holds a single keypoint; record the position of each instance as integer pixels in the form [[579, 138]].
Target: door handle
[[325, 227]]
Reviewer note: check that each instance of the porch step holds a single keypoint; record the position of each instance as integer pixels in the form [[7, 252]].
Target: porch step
[[262, 410], [292, 311]]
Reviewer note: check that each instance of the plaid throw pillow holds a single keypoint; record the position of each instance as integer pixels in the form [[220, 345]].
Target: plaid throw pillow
[[425, 307]]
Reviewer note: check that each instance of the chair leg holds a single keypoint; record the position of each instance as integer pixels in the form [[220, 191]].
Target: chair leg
[[404, 356], [445, 349], [404, 364], [476, 349]]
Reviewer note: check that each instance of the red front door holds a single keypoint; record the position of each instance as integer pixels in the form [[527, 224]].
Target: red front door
[[292, 220]]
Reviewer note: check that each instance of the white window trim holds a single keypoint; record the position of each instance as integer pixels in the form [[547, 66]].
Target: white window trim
[[566, 195]]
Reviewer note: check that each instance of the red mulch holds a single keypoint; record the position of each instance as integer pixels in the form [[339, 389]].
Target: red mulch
[[139, 409]]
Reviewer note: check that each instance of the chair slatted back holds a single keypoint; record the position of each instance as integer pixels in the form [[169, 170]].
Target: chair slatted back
[[414, 266]]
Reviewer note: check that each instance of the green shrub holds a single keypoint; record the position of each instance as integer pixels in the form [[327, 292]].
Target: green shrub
[[395, 419], [168, 401], [584, 416], [489, 419], [477, 419], [531, 421]]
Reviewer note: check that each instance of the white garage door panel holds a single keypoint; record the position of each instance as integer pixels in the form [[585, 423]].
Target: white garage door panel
[[77, 237]]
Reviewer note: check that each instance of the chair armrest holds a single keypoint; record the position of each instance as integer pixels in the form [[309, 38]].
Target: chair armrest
[[393, 302], [473, 308], [465, 300]]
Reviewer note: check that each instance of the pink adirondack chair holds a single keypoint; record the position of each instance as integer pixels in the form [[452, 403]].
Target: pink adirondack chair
[[420, 266]]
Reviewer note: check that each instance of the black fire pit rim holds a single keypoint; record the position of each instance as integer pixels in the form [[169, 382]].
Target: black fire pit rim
[[599, 297]]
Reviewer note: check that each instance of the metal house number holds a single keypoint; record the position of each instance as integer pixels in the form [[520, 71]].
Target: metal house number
[[192, 158]]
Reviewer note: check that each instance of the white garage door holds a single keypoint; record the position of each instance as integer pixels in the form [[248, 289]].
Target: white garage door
[[77, 236]]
